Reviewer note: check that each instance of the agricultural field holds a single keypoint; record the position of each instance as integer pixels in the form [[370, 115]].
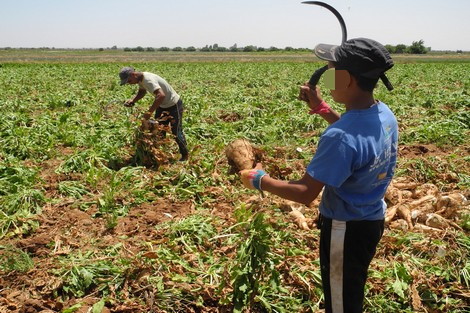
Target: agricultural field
[[87, 225]]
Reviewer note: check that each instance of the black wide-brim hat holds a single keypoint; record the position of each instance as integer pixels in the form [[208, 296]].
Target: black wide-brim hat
[[360, 56]]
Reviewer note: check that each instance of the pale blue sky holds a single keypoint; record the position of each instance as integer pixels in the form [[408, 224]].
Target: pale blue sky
[[442, 24]]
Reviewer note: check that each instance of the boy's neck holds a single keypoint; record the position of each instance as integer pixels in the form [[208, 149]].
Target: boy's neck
[[360, 101]]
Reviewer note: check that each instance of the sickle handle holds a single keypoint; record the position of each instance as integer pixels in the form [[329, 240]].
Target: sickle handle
[[316, 75]]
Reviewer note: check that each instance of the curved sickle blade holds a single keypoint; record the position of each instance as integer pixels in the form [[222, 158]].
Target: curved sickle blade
[[336, 13]]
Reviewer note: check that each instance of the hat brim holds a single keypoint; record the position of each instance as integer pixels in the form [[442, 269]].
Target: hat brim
[[326, 52]]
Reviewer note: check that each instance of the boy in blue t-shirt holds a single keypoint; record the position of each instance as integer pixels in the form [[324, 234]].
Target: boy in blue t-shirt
[[354, 164]]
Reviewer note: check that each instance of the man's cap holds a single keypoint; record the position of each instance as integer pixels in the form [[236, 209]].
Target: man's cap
[[125, 73], [360, 56]]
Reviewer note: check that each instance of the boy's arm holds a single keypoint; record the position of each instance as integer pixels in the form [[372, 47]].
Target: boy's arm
[[331, 116], [303, 191], [311, 95]]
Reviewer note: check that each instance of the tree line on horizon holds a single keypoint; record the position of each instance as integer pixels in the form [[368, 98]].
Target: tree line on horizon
[[417, 47], [214, 48]]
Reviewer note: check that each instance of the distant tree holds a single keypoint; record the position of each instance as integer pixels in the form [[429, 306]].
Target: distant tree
[[150, 49], [234, 48], [417, 47], [191, 49], [401, 48], [206, 49], [289, 49], [459, 51], [177, 49], [139, 48], [261, 49], [272, 48], [390, 48], [249, 48], [215, 47], [163, 49], [221, 49], [127, 49], [100, 49], [114, 48]]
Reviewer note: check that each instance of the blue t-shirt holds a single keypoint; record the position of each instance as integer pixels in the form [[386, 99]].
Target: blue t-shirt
[[355, 159]]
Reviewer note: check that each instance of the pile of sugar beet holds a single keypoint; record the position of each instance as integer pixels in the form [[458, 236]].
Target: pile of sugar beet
[[410, 206]]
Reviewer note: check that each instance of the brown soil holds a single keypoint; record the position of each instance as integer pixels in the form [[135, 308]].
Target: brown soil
[[64, 228]]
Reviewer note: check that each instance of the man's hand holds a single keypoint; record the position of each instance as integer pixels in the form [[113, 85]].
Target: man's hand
[[147, 115], [311, 95], [129, 103], [145, 120], [251, 178]]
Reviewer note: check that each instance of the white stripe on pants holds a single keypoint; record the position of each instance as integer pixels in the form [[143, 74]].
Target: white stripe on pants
[[338, 231]]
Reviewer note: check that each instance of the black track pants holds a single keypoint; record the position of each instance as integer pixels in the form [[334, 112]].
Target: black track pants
[[346, 250], [176, 112]]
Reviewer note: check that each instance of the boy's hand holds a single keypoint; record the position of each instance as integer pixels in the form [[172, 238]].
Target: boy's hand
[[311, 95], [251, 178]]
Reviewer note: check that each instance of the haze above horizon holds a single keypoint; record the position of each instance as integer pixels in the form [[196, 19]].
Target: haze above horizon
[[262, 23]]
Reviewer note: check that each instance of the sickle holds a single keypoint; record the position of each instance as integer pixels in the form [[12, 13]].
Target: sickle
[[318, 73], [336, 13]]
